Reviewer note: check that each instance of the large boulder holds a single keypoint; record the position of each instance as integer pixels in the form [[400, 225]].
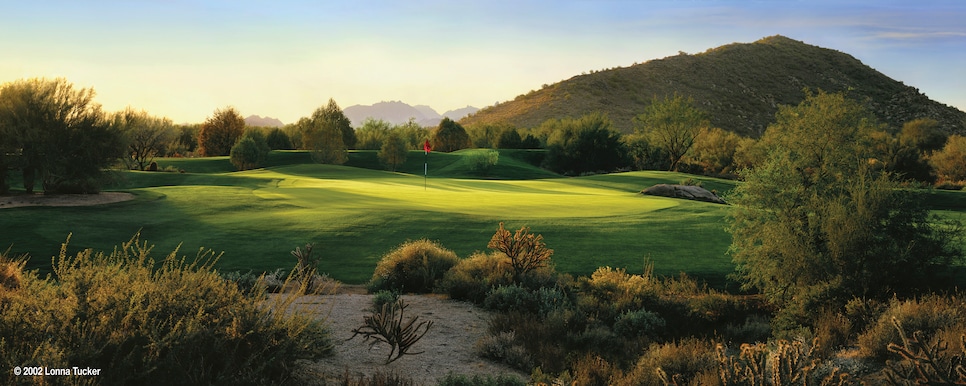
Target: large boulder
[[687, 192]]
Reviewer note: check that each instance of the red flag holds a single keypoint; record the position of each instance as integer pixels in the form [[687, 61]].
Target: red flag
[[426, 147]]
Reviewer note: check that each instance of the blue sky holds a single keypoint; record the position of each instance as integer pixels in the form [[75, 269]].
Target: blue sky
[[184, 59]]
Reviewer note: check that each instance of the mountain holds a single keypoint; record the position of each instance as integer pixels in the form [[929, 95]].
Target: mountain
[[739, 86], [397, 112], [255, 120]]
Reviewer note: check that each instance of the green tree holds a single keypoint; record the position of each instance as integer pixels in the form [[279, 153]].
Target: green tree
[[414, 134], [251, 151], [950, 162], [147, 137], [372, 134], [813, 226], [394, 151], [324, 134], [672, 124], [220, 132], [509, 139], [714, 150], [642, 155], [186, 141], [59, 133], [450, 136], [585, 144], [277, 139]]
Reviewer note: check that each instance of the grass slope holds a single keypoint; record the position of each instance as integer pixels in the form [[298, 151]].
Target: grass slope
[[355, 215], [740, 86]]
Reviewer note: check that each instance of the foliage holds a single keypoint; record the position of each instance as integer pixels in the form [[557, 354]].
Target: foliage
[[714, 150], [379, 378], [509, 139], [473, 278], [813, 226], [781, 363], [147, 137], [250, 152], [393, 151], [672, 124], [950, 162], [186, 141], [372, 134], [934, 315], [926, 362], [168, 321], [585, 144], [389, 326], [481, 380], [450, 136], [328, 134], [306, 267], [383, 297], [59, 132], [484, 161], [220, 132], [642, 155], [277, 139], [414, 266], [527, 251]]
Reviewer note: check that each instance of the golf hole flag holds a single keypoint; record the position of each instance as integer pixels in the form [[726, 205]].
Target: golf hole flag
[[427, 149]]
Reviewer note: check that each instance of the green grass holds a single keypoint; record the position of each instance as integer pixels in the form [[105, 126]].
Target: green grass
[[355, 215]]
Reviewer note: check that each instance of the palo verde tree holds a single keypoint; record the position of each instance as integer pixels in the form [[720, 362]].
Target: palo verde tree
[[324, 134], [814, 226], [450, 136], [672, 124], [220, 132], [585, 144], [57, 132], [147, 137]]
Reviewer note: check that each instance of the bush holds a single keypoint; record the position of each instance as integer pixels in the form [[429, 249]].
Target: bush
[[931, 314], [413, 267], [472, 278], [638, 323], [145, 322], [381, 298], [481, 380], [679, 362], [511, 298]]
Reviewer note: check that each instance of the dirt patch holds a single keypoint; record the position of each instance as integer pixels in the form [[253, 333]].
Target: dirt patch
[[449, 347], [21, 200]]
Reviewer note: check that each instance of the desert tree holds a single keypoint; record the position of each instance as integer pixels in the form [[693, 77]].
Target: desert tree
[[393, 151], [950, 162], [814, 225], [323, 134], [450, 136], [146, 136], [673, 124], [714, 150], [59, 133], [220, 132], [585, 144], [527, 251]]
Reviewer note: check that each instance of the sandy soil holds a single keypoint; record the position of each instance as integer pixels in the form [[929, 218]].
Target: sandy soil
[[448, 347], [21, 200]]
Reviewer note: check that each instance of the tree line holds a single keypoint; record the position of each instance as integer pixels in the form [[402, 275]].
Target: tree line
[[59, 139]]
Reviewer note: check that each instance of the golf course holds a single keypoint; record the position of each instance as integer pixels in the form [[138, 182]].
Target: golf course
[[356, 213]]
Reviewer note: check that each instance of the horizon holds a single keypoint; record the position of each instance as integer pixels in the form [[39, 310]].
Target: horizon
[[285, 59]]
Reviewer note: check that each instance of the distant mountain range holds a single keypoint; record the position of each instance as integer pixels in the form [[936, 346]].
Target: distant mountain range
[[255, 120], [739, 86], [397, 112]]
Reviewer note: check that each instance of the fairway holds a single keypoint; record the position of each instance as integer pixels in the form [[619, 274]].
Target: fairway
[[355, 215]]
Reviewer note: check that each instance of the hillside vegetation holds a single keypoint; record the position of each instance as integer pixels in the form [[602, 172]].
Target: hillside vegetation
[[739, 85]]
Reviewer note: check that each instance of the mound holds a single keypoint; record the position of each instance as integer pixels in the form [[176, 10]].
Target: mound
[[687, 192]]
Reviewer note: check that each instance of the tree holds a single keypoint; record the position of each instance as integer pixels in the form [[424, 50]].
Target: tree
[[324, 134], [527, 251], [450, 136], [372, 134], [672, 124], [220, 132], [585, 144], [414, 134], [278, 140], [251, 151], [950, 162], [814, 226], [509, 139], [394, 151], [59, 133], [714, 150], [642, 155], [147, 137]]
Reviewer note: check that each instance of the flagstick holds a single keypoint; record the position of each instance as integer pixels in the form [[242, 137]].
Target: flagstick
[[425, 169]]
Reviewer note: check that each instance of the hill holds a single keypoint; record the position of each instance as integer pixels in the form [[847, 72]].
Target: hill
[[397, 112], [255, 120], [739, 85]]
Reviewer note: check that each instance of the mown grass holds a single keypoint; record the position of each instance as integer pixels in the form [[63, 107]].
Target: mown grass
[[355, 215]]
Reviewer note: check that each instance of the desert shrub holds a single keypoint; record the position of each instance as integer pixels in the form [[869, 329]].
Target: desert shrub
[[546, 341], [379, 378], [609, 292], [173, 321], [511, 298], [930, 314], [926, 361], [480, 380], [383, 297], [632, 324], [415, 266], [472, 278], [592, 370], [527, 251], [389, 325], [755, 328], [248, 282], [502, 347], [680, 362]]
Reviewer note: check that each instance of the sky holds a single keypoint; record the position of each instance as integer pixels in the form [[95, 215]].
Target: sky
[[283, 59]]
